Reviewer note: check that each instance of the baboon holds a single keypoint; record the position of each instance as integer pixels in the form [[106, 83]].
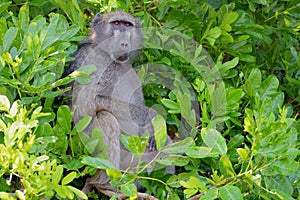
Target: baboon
[[114, 96]]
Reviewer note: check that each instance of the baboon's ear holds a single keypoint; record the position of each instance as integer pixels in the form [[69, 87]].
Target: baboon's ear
[[98, 17]]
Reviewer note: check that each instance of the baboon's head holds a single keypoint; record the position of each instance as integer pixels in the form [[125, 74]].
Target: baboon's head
[[118, 33]]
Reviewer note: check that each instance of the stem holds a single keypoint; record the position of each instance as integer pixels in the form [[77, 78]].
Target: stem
[[155, 20], [282, 12], [152, 179], [149, 163]]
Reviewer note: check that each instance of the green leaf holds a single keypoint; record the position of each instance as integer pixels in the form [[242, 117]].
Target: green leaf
[[229, 64], [89, 69], [235, 141], [69, 178], [214, 32], [82, 75], [230, 192], [73, 11], [4, 103], [162, 11], [128, 178], [226, 37], [50, 34], [101, 147], [174, 160], [7, 196], [263, 2], [40, 159], [83, 123], [57, 175], [2, 125], [20, 195], [292, 80], [166, 61], [64, 118], [282, 195], [213, 139], [247, 58], [187, 184], [195, 182], [114, 173], [129, 190], [98, 163], [218, 101], [199, 85], [51, 94], [61, 191], [233, 97], [269, 87], [198, 152], [68, 34], [124, 138], [228, 19], [243, 153], [24, 17], [160, 131], [285, 167], [210, 194], [225, 166], [278, 182], [69, 193], [172, 195], [190, 192], [179, 147], [79, 193], [135, 146], [63, 81], [85, 139], [186, 108], [253, 82], [170, 104], [9, 38], [4, 6], [174, 181], [37, 113]]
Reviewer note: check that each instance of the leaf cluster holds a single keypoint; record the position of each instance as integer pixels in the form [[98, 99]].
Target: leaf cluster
[[224, 78], [32, 173]]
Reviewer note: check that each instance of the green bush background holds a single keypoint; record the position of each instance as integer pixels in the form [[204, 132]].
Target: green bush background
[[250, 150]]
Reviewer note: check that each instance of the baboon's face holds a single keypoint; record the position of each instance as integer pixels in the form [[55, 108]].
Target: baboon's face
[[122, 39], [118, 33]]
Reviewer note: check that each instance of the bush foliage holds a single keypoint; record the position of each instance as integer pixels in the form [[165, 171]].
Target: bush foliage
[[225, 76]]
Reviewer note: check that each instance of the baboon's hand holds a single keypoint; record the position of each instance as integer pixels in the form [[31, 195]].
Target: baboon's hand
[[151, 144]]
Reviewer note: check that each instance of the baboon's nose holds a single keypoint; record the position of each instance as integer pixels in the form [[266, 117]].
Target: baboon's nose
[[124, 44]]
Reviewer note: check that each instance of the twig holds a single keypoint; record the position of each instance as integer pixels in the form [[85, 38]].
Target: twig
[[196, 197], [121, 196]]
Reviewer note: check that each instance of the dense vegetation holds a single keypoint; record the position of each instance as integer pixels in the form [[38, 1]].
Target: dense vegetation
[[224, 75]]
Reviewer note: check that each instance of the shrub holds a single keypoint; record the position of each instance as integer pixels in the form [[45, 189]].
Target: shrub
[[225, 77]]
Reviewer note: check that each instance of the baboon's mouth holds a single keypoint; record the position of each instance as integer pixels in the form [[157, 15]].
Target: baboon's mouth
[[123, 57]]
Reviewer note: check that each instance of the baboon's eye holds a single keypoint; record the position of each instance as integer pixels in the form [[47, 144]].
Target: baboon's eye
[[119, 24], [116, 22]]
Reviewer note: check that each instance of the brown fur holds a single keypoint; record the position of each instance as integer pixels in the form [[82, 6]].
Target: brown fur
[[114, 95]]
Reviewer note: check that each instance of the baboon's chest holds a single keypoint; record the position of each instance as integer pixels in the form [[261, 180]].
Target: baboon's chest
[[121, 83]]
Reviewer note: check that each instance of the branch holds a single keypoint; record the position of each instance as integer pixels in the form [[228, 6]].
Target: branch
[[196, 197], [121, 196]]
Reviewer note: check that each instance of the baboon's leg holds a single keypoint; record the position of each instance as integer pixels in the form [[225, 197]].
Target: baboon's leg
[[134, 119], [111, 134]]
